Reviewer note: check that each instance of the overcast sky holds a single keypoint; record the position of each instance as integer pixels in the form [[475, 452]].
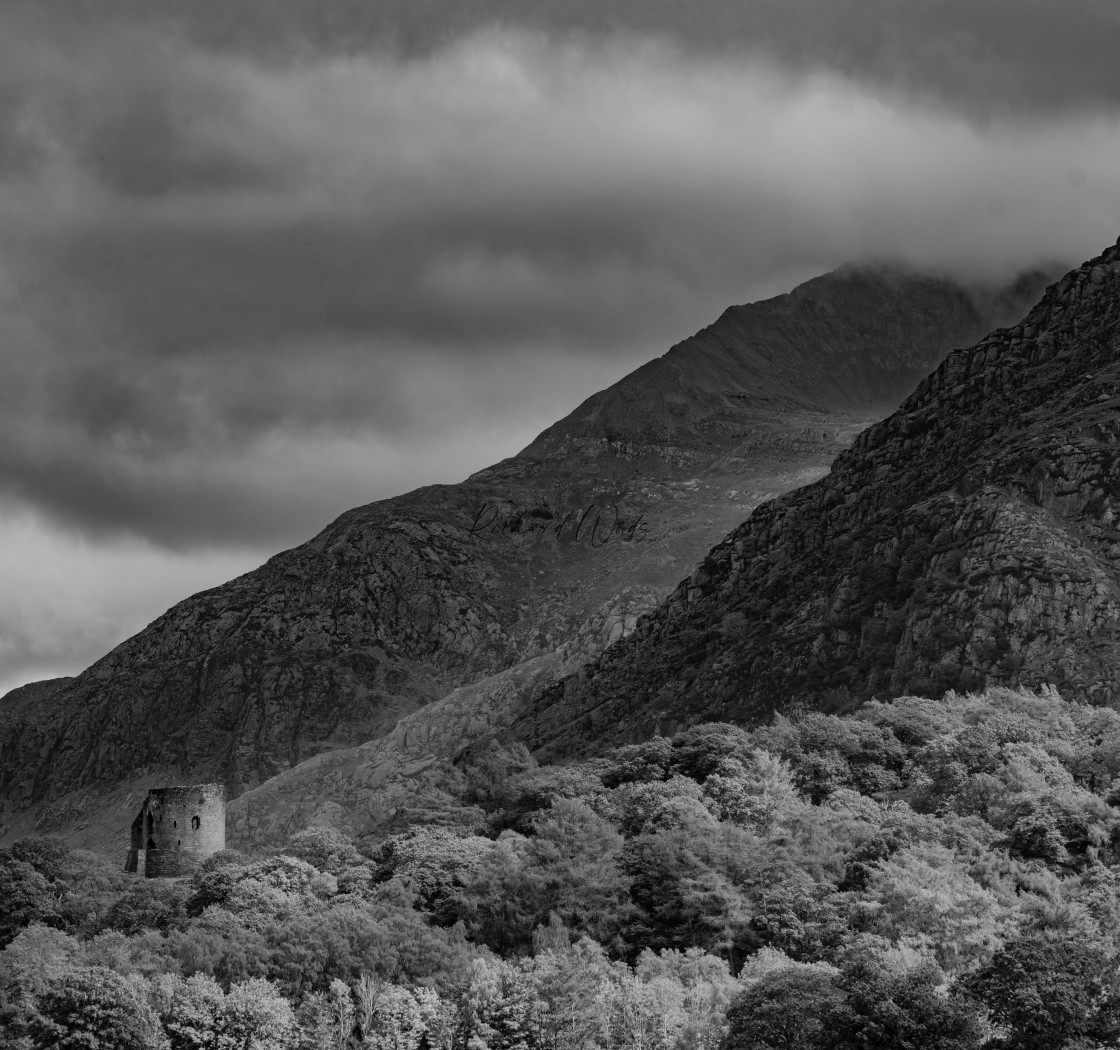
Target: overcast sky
[[265, 260]]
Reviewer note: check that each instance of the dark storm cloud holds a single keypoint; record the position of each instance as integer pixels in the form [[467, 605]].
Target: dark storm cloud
[[1023, 56]]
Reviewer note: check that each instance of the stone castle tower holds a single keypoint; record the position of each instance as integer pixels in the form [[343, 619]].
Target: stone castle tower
[[176, 829]]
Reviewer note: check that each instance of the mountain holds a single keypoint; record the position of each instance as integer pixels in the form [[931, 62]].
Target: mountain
[[969, 539], [853, 342], [494, 587]]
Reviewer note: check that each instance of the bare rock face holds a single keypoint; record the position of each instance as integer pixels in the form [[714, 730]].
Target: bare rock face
[[971, 538], [20, 708], [487, 590]]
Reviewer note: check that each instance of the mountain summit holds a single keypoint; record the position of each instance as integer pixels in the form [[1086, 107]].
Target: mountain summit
[[970, 538]]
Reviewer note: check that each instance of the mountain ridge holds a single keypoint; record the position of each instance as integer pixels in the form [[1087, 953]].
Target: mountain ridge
[[810, 350], [966, 540]]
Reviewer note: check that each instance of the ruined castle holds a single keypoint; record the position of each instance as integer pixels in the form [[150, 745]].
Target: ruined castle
[[176, 829]]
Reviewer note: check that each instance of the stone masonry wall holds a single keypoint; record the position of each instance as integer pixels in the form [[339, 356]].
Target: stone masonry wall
[[177, 829]]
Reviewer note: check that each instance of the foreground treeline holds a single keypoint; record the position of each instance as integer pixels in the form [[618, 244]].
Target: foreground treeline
[[933, 874]]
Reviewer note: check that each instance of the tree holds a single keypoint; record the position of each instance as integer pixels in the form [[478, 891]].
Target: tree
[[342, 1013], [1048, 991], [366, 990], [149, 904], [639, 763], [659, 805], [313, 1022], [756, 794], [645, 1015], [685, 899], [257, 1017], [707, 987], [926, 898], [220, 946], [701, 750], [36, 956], [91, 1007], [435, 864], [191, 1010], [398, 1020], [784, 1010], [571, 982], [570, 867], [328, 849], [886, 1009], [438, 1017], [827, 753], [500, 1008], [51, 857], [28, 897], [803, 918], [215, 880]]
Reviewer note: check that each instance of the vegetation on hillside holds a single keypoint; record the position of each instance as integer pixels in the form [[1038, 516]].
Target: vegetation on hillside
[[934, 874]]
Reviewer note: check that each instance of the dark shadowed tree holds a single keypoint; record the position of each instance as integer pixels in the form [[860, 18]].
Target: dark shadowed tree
[[885, 1009], [785, 1010], [1051, 991], [27, 897]]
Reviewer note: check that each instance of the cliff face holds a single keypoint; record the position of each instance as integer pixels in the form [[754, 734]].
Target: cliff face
[[969, 538], [537, 563]]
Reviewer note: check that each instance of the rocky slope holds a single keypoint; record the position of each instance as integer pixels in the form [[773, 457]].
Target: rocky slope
[[854, 342], [512, 578], [972, 537]]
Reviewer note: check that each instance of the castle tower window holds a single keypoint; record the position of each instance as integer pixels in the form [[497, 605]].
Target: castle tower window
[[196, 823], [151, 843]]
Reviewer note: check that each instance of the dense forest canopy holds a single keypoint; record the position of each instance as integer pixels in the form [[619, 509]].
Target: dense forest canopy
[[935, 874]]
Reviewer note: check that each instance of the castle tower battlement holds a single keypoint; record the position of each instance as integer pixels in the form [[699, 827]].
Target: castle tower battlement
[[176, 829]]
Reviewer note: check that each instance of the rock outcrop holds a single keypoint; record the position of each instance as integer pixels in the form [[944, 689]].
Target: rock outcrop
[[971, 538], [537, 563]]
